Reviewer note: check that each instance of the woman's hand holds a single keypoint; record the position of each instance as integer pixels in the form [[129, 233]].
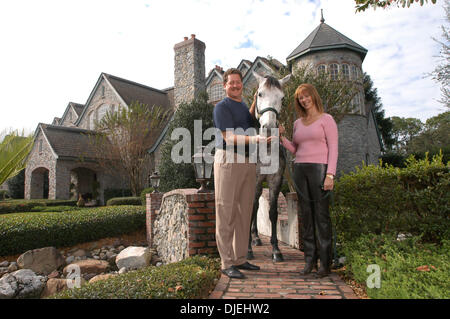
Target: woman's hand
[[328, 184], [281, 130]]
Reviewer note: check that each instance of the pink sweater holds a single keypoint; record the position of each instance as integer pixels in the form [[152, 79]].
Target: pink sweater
[[315, 143]]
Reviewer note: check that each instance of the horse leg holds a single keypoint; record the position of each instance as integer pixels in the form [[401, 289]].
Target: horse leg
[[277, 256], [253, 223]]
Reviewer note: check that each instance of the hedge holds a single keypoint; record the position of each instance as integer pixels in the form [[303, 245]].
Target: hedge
[[124, 201], [377, 199], [23, 205], [192, 278], [20, 232]]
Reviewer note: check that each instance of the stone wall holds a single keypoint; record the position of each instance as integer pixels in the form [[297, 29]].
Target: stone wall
[[41, 160], [189, 70], [104, 96], [358, 143], [183, 225]]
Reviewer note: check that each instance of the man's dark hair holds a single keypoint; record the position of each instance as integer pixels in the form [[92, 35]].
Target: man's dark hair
[[231, 71]]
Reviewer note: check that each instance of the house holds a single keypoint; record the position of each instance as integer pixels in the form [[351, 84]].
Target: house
[[62, 159]]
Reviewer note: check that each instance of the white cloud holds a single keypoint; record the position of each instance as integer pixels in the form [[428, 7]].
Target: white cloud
[[54, 51]]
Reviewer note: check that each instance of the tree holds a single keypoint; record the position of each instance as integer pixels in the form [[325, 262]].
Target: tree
[[434, 136], [384, 124], [124, 138], [336, 95], [14, 150], [441, 73], [403, 131], [181, 175], [362, 5]]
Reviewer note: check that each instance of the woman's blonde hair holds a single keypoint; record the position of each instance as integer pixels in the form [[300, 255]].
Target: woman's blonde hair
[[310, 90]]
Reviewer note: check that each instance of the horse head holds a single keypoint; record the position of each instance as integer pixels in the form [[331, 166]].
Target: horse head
[[269, 98]]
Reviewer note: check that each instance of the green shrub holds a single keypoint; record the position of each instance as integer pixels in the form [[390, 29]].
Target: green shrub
[[192, 278], [23, 205], [376, 199], [124, 201], [144, 192], [111, 193], [20, 232], [4, 194], [53, 208], [401, 263]]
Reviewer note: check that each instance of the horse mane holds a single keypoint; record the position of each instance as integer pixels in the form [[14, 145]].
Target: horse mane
[[272, 82]]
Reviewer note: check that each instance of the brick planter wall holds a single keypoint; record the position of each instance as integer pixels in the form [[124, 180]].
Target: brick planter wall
[[196, 213]]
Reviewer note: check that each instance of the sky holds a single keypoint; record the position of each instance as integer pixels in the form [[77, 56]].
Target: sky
[[53, 52]]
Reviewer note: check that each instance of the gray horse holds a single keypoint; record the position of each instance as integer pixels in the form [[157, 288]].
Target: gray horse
[[268, 106]]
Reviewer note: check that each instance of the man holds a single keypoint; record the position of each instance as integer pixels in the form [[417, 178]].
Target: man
[[234, 180]]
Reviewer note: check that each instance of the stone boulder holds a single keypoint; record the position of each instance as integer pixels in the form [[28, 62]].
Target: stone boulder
[[101, 277], [21, 284], [88, 266], [42, 260], [134, 258], [56, 285]]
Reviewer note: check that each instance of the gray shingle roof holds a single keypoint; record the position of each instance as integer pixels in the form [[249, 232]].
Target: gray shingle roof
[[77, 107], [132, 91], [325, 37], [70, 142]]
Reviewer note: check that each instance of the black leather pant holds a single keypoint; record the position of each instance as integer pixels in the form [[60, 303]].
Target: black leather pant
[[314, 207]]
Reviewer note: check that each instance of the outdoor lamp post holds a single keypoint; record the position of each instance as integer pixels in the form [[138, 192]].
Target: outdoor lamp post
[[203, 164], [154, 181]]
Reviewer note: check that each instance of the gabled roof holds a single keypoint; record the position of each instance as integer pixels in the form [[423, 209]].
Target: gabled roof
[[69, 142], [128, 91], [325, 37], [78, 108], [272, 67]]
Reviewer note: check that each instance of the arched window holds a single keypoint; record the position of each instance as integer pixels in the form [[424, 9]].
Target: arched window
[[321, 69], [346, 71], [334, 69], [354, 73], [216, 92], [91, 120], [101, 111]]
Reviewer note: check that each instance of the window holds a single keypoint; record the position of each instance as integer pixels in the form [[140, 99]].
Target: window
[[216, 92], [345, 72], [69, 116], [91, 120], [103, 91], [40, 146], [101, 111], [321, 69], [354, 73], [334, 71]]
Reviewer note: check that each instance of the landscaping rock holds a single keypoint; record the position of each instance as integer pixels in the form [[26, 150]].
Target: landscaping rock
[[134, 258], [101, 277], [89, 266], [13, 267], [42, 260], [53, 286], [21, 284]]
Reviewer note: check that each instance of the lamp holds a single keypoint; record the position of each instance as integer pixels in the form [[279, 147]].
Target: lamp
[[203, 164], [154, 181]]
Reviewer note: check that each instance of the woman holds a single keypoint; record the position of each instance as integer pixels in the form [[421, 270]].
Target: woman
[[315, 145]]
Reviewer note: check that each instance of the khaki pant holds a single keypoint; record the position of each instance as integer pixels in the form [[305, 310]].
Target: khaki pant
[[235, 191]]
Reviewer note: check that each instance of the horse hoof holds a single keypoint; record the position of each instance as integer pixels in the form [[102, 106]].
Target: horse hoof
[[250, 255], [277, 257], [257, 242]]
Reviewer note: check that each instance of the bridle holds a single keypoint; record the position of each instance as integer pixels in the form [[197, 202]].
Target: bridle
[[267, 109]]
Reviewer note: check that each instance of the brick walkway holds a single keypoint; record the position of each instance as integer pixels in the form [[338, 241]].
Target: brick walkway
[[281, 280]]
